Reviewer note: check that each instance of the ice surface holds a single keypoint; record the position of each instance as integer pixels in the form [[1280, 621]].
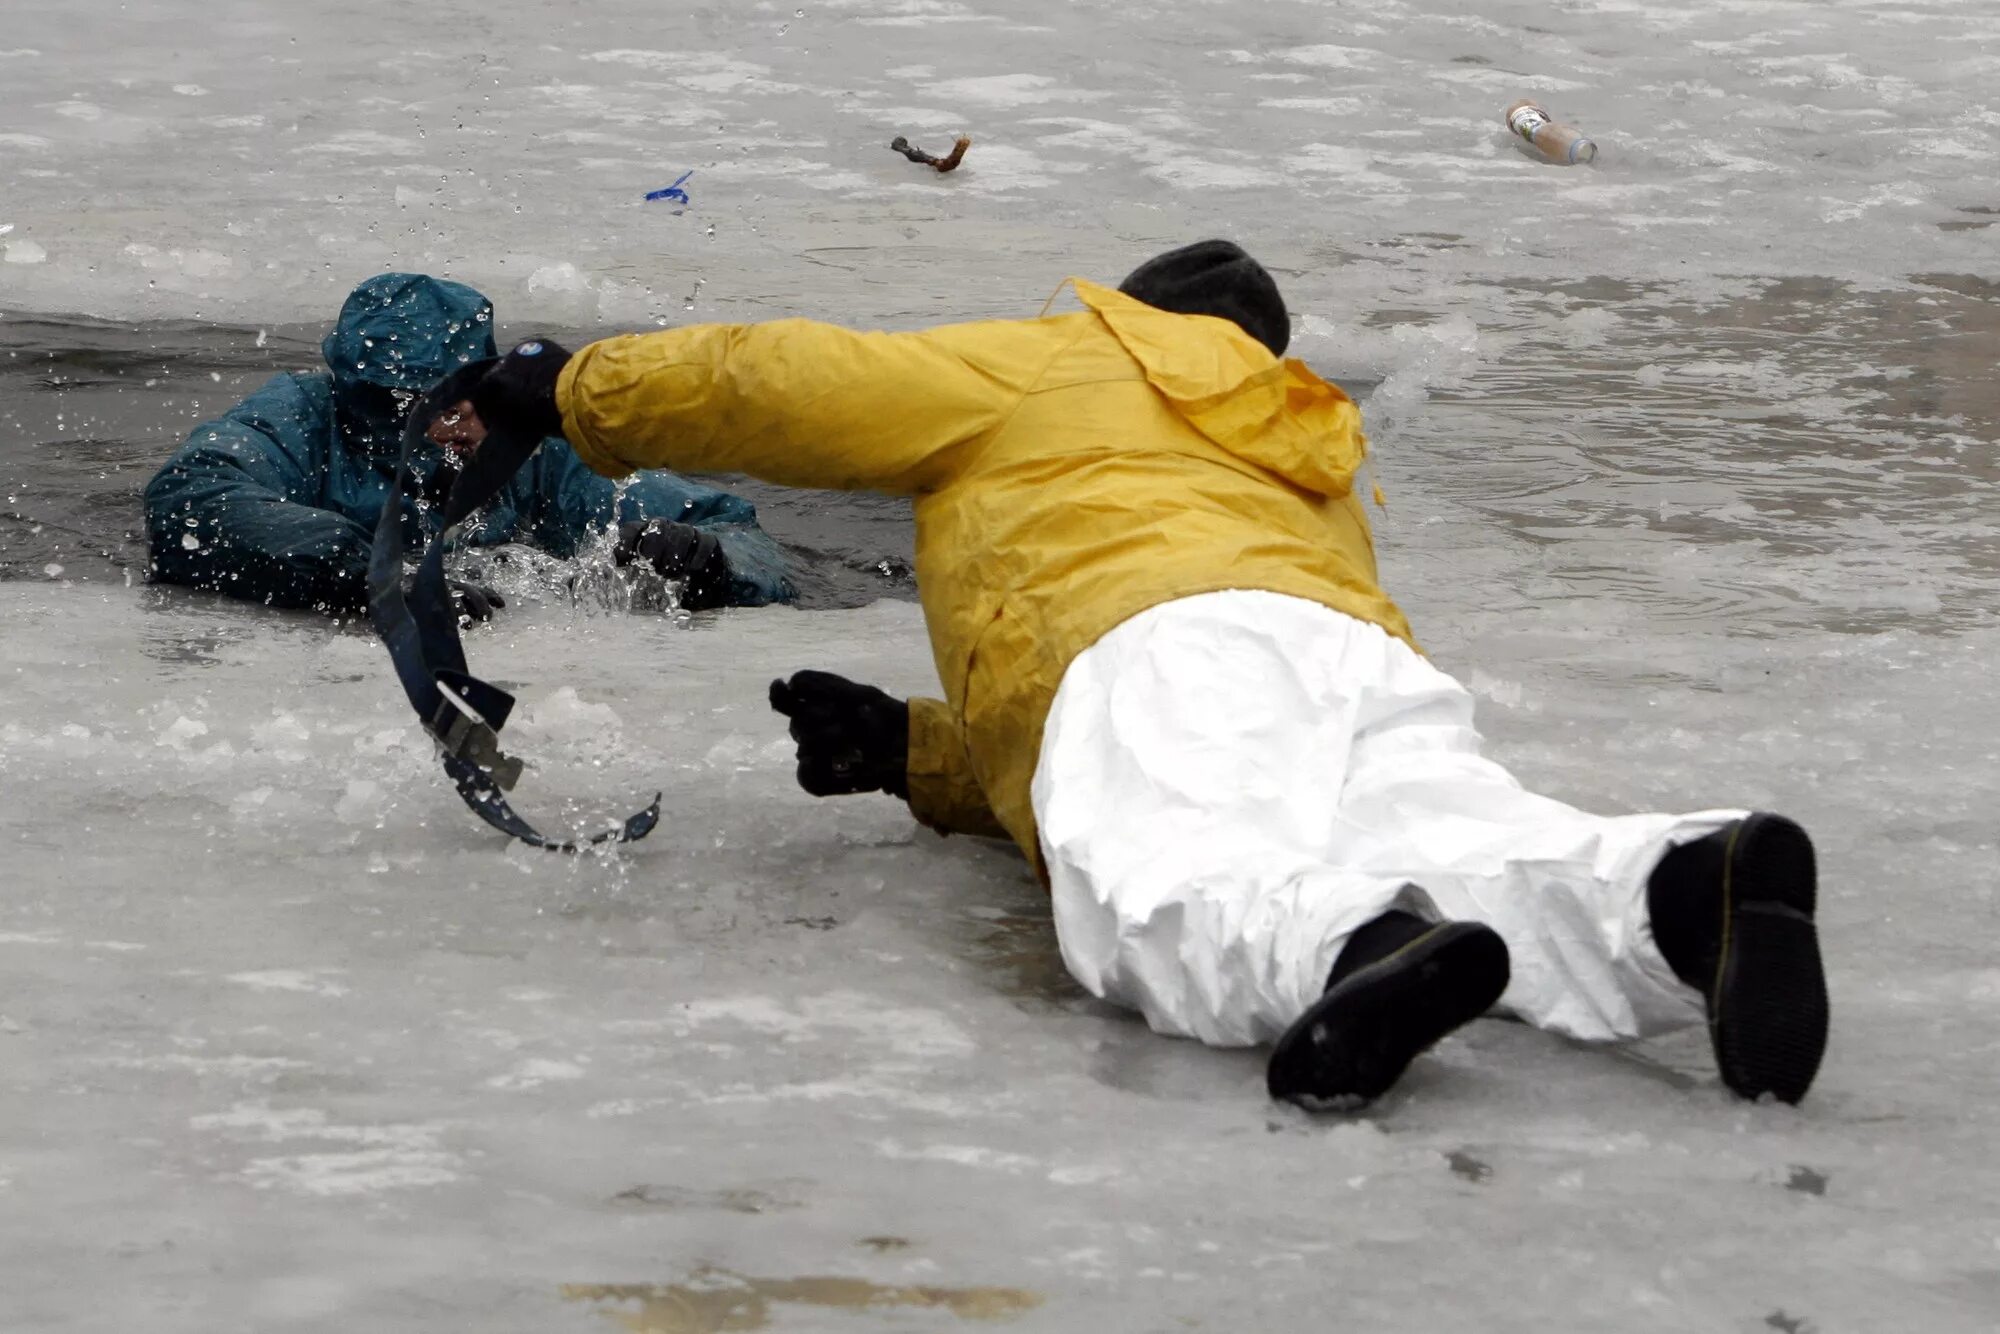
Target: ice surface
[[1690, 460], [249, 162], [294, 1042]]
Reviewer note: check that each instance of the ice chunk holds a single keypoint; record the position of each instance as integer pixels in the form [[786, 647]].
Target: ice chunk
[[361, 803], [180, 732]]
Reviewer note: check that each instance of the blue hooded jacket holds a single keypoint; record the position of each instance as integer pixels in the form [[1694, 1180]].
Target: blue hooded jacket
[[276, 501]]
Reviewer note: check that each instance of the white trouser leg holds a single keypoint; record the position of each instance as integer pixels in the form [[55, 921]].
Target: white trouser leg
[[1230, 784], [1565, 889], [1186, 792]]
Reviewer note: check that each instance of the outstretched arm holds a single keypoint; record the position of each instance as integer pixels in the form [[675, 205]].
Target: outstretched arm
[[230, 510], [798, 402]]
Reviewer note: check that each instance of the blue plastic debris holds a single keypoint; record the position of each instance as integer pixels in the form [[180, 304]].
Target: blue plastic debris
[[674, 191]]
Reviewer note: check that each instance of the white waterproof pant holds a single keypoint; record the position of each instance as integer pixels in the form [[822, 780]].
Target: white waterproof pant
[[1230, 784]]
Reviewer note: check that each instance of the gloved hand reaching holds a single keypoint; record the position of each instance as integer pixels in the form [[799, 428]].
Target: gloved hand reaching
[[678, 551], [520, 393], [473, 602], [852, 738]]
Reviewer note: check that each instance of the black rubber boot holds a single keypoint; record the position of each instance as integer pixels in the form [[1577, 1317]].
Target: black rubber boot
[[1400, 984], [1732, 913]]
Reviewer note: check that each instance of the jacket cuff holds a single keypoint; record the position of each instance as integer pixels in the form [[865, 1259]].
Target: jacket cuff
[[944, 794]]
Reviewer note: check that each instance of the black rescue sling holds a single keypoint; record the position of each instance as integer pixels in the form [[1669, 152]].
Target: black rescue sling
[[461, 712]]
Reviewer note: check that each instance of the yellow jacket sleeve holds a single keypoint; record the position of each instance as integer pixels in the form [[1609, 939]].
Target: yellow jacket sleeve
[[798, 402], [943, 793]]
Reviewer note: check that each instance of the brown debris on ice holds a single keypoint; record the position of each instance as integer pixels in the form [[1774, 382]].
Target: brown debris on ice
[[945, 163]]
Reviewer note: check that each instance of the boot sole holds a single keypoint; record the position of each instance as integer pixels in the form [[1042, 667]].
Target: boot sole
[[1354, 1042], [1767, 1009]]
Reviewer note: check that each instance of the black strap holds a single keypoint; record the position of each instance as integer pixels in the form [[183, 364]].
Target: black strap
[[461, 712]]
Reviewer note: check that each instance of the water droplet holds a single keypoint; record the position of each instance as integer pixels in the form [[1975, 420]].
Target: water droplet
[[52, 570], [189, 542]]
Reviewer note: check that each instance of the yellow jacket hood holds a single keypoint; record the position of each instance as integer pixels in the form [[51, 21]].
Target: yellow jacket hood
[[1274, 413]]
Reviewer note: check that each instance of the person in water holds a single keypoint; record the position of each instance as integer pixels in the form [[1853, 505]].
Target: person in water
[[276, 501], [1172, 677]]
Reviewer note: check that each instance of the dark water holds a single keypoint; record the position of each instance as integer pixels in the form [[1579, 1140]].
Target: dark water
[[90, 408], [1758, 457], [1767, 456]]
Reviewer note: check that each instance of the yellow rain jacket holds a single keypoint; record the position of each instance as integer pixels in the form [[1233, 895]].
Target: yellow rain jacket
[[1068, 473]]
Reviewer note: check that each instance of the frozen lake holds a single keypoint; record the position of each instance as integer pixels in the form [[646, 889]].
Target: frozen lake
[[1690, 460]]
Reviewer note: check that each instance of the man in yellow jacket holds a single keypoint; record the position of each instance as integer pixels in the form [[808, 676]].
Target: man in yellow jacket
[[1171, 678]]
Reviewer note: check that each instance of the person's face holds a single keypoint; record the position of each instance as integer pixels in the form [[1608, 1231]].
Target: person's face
[[458, 429]]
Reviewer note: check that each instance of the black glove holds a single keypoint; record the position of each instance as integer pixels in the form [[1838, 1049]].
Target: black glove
[[520, 393], [678, 551], [473, 602], [852, 738]]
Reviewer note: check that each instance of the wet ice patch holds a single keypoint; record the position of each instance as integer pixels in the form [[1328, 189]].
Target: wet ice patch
[[562, 280], [178, 734], [396, 1156], [918, 13], [1343, 160], [809, 172], [362, 143], [310, 983], [916, 118], [1319, 106], [962, 1155], [1331, 57], [836, 1016], [236, 1068], [1086, 1174], [193, 261], [1506, 83], [535, 1073], [703, 71], [1507, 694], [1007, 90], [564, 712], [281, 737], [1978, 986], [1001, 169], [1161, 158]]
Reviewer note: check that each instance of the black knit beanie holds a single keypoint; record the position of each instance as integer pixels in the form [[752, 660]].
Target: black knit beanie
[[1215, 278]]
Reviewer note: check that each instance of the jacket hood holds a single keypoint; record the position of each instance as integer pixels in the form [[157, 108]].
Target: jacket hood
[[1274, 413], [397, 335]]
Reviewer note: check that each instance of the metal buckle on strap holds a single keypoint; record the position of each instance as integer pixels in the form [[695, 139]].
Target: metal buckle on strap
[[460, 731]]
